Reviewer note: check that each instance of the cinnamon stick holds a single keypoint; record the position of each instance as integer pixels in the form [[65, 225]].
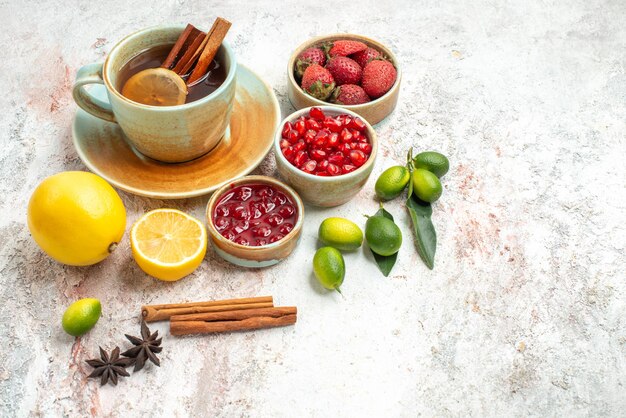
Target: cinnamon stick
[[215, 37], [190, 55], [152, 313], [274, 312], [202, 327], [184, 41]]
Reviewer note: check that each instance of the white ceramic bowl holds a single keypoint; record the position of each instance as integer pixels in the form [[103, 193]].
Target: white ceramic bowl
[[325, 191]]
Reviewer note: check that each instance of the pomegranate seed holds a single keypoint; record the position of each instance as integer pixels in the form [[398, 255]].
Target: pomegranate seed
[[293, 136], [347, 168], [242, 241], [240, 227], [332, 124], [301, 158], [275, 219], [259, 242], [289, 153], [309, 166], [286, 128], [313, 124], [317, 113], [365, 147], [300, 126], [318, 154], [358, 157], [347, 120], [285, 228], [265, 191], [333, 140], [322, 165], [277, 237], [284, 144], [287, 210], [300, 145], [221, 223], [345, 148], [346, 135], [358, 124], [262, 231], [333, 170], [336, 158]]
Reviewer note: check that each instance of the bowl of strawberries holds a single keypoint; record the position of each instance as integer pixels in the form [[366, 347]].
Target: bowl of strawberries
[[344, 70]]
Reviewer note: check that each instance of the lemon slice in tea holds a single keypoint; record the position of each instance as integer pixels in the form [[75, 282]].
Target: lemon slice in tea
[[156, 87]]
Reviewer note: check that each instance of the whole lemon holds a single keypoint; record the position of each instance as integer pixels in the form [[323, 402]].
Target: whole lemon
[[76, 218]]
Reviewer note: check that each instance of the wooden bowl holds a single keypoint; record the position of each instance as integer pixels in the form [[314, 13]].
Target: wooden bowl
[[374, 111], [255, 256], [318, 190]]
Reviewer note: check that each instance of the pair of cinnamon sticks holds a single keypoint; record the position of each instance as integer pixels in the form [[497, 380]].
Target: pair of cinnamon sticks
[[196, 47], [221, 315]]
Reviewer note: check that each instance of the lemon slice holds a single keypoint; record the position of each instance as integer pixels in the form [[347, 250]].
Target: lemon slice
[[168, 244], [156, 87]]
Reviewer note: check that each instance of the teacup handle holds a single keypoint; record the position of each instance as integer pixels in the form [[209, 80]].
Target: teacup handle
[[91, 74]]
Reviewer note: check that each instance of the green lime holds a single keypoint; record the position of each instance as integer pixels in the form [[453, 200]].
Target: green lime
[[426, 185], [329, 267], [391, 182], [432, 161], [383, 235], [341, 234], [81, 316]]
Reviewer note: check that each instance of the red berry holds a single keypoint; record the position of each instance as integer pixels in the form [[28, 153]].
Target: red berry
[[318, 82], [317, 113], [307, 57], [378, 77], [349, 94], [275, 219], [344, 70], [285, 228], [365, 56], [346, 47], [287, 210], [276, 237], [262, 231]]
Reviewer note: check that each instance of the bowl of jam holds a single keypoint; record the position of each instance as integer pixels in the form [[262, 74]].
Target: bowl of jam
[[255, 221]]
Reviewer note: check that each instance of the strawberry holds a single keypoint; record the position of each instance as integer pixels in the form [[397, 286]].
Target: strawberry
[[307, 57], [318, 81], [365, 56], [344, 70], [344, 48], [378, 77], [349, 94]]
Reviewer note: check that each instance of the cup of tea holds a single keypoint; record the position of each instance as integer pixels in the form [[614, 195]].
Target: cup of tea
[[170, 134]]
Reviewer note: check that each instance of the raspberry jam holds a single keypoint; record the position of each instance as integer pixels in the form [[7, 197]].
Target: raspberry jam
[[254, 214], [325, 145]]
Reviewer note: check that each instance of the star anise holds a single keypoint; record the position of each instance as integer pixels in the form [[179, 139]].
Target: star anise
[[108, 368], [144, 347]]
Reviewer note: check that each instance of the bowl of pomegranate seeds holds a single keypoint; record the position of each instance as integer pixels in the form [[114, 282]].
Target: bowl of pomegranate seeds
[[349, 71], [255, 221], [325, 153]]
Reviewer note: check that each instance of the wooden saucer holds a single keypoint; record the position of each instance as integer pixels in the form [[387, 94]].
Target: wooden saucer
[[254, 120]]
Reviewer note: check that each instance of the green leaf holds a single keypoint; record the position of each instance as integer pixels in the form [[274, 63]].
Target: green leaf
[[425, 235], [385, 262]]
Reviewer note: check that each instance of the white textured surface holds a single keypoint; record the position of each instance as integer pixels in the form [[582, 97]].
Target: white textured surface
[[524, 313]]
